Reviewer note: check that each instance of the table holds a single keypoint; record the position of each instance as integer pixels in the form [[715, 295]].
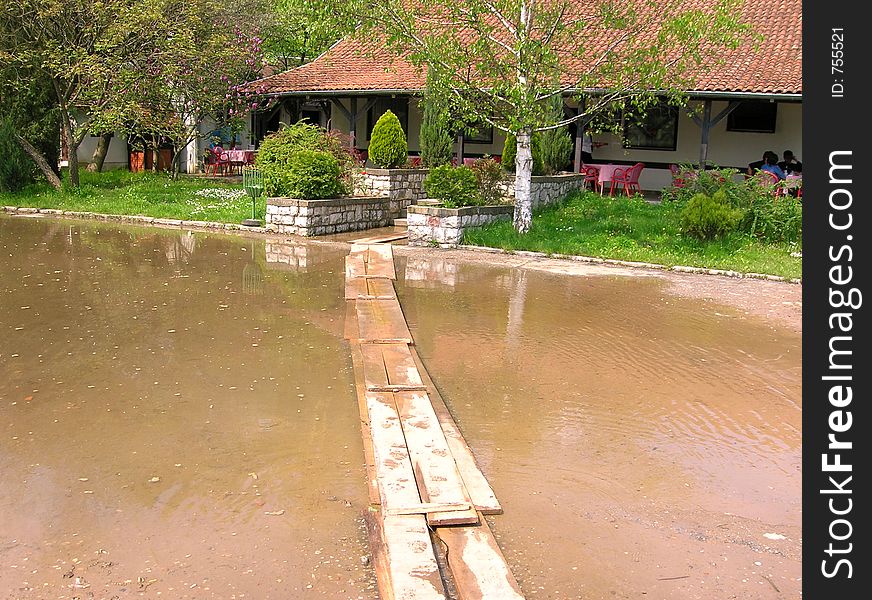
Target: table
[[238, 157], [605, 172]]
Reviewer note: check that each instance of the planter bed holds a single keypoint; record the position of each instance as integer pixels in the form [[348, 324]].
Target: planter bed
[[430, 225], [323, 217]]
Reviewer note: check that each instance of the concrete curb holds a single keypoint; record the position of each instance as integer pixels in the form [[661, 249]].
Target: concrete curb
[[633, 264]]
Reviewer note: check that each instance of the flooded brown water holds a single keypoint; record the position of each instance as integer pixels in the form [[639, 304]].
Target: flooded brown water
[[177, 417], [178, 420], [642, 442]]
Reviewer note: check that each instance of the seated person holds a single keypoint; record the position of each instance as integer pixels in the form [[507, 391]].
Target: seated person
[[790, 165], [770, 163], [758, 164]]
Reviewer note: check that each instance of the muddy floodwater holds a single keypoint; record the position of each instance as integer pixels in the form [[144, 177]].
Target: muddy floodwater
[[178, 419]]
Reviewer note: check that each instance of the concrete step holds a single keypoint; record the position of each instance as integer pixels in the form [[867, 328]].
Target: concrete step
[[427, 202], [401, 222]]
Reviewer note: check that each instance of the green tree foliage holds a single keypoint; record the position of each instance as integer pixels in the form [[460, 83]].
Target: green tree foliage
[[16, 168], [501, 61], [453, 186], [297, 31], [388, 147]]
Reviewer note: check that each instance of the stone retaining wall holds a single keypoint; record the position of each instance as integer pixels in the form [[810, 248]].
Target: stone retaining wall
[[323, 217], [445, 226], [401, 186], [546, 189]]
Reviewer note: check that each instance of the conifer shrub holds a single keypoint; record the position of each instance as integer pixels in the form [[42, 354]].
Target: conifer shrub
[[388, 148], [437, 143], [510, 152]]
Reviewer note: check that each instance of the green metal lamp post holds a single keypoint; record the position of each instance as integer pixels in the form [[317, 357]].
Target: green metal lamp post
[[252, 183]]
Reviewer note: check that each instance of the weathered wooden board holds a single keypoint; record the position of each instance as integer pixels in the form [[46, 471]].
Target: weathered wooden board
[[403, 557], [365, 431], [479, 489], [369, 287], [477, 564], [354, 266], [382, 320], [382, 239], [394, 472], [351, 329], [378, 259], [436, 473], [390, 367], [426, 507]]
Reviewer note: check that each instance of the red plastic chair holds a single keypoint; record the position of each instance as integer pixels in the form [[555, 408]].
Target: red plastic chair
[[629, 178], [591, 176], [220, 161], [770, 181]]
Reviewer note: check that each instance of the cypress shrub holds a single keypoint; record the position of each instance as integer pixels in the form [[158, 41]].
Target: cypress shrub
[[555, 149], [437, 143], [388, 147], [510, 151]]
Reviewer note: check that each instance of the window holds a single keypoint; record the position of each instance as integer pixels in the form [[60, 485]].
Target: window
[[398, 106], [481, 134], [753, 115], [657, 129]]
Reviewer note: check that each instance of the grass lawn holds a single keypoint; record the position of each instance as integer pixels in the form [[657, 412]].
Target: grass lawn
[[592, 225], [120, 192]]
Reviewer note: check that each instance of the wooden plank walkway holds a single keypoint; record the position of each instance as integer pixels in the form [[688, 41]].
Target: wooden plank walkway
[[421, 474]]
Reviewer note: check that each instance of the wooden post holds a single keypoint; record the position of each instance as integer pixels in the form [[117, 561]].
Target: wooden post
[[459, 149], [579, 139], [352, 125], [706, 128]]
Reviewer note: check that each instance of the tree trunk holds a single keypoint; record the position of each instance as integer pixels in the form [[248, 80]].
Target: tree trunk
[[96, 165], [523, 217], [40, 161], [72, 152]]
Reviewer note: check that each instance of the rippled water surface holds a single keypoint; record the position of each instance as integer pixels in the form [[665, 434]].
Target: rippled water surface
[[642, 444], [177, 417], [178, 420]]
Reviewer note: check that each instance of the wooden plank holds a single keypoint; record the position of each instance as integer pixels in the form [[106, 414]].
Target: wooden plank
[[369, 288], [382, 239], [394, 473], [412, 566], [477, 564], [427, 507], [436, 473], [386, 544], [374, 374], [382, 320], [354, 266], [400, 366], [378, 259], [390, 367], [351, 329], [476, 484], [365, 431]]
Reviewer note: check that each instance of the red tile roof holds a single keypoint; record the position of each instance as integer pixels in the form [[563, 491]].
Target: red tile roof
[[772, 68]]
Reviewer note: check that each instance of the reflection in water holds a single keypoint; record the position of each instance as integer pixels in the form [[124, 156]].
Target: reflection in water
[[174, 422], [296, 256], [630, 435], [430, 271]]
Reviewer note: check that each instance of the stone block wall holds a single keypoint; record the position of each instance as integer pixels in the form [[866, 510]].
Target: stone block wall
[[445, 226], [546, 189], [322, 217], [401, 186]]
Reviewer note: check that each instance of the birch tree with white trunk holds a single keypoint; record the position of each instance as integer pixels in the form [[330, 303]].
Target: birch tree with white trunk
[[499, 62]]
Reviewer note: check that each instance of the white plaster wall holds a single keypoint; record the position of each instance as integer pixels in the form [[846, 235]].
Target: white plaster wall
[[116, 157]]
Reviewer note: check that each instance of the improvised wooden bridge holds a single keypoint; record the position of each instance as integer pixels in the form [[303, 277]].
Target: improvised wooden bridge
[[427, 533]]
